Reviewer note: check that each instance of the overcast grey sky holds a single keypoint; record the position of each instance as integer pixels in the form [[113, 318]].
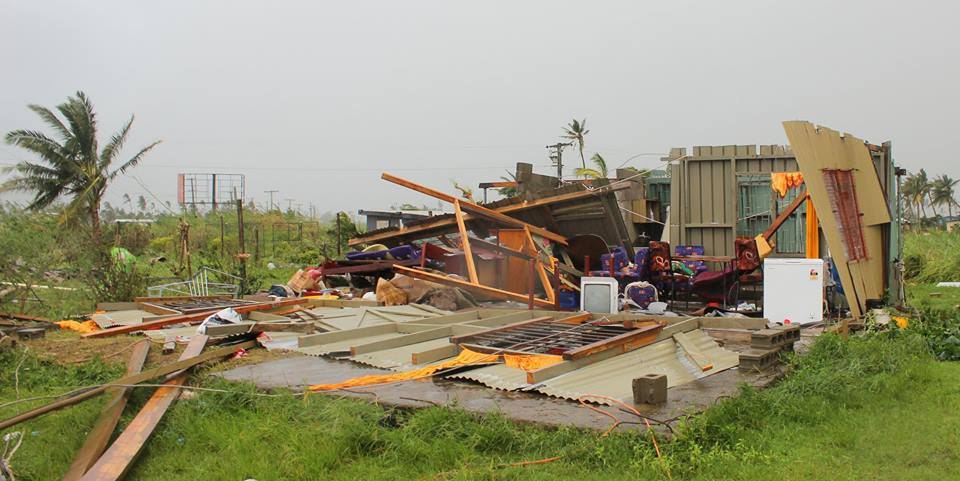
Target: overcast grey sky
[[317, 98]]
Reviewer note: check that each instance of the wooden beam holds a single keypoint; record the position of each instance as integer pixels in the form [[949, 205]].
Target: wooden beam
[[99, 436], [465, 243], [634, 339], [783, 216], [541, 272], [475, 209], [449, 224], [134, 379], [404, 340], [189, 318], [116, 461], [450, 281]]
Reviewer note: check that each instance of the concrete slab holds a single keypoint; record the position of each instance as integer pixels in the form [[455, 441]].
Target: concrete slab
[[297, 372]]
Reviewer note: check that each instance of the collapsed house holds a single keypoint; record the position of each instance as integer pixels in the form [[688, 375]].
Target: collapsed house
[[603, 291]]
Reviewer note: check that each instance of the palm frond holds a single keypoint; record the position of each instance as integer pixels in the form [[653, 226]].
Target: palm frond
[[133, 160], [51, 119], [38, 143], [114, 145], [601, 164], [83, 124], [587, 172]]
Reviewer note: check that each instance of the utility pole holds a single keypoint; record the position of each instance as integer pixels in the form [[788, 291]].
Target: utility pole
[[289, 204], [271, 192], [338, 235], [557, 158], [241, 246]]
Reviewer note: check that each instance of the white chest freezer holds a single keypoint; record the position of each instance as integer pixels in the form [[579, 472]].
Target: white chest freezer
[[793, 290]]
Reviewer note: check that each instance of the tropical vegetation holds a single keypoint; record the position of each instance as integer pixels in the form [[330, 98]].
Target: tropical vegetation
[[71, 165]]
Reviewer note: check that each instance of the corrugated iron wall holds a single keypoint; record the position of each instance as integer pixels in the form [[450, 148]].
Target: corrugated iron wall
[[704, 192]]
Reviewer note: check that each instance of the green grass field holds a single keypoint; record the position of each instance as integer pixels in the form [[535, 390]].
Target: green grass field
[[876, 407]]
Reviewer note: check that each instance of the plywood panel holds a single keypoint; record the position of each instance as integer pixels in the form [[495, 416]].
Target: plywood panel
[[819, 148]]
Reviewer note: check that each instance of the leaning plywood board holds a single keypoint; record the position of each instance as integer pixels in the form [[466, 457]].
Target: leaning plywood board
[[818, 149]]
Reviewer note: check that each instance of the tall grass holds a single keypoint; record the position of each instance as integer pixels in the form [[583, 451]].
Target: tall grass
[[932, 256], [243, 434]]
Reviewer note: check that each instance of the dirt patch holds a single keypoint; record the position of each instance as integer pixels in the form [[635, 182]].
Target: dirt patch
[[67, 347]]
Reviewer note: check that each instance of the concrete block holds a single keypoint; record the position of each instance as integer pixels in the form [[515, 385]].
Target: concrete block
[[759, 359], [650, 389], [792, 333], [767, 338]]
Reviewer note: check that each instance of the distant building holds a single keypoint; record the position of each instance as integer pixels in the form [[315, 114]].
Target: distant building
[[378, 219]]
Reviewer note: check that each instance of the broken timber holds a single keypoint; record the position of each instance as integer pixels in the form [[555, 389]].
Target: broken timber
[[118, 458], [189, 318], [446, 224], [490, 291], [99, 436], [476, 209], [134, 379]]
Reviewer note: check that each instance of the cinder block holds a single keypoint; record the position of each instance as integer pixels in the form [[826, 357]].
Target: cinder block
[[767, 338], [759, 359], [650, 389], [792, 332]]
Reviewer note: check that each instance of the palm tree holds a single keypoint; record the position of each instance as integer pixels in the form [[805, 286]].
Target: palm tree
[[941, 192], [915, 191], [71, 166], [600, 172], [576, 131]]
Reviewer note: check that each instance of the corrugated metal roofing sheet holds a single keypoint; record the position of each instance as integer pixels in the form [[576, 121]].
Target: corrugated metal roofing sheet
[[121, 318], [398, 358], [497, 376], [613, 377]]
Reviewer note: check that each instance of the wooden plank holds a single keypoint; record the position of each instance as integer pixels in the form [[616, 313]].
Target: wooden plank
[[475, 209], [541, 272], [576, 318], [444, 224], [190, 318], [99, 436], [435, 354], [400, 341], [465, 243], [450, 281], [134, 379], [337, 336], [635, 339], [783, 216], [116, 461]]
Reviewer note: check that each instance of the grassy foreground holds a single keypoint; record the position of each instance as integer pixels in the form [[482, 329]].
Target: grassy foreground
[[877, 407]]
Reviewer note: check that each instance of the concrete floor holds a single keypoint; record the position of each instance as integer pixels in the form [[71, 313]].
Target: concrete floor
[[299, 371]]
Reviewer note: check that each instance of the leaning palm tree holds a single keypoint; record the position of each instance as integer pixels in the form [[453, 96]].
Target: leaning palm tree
[[941, 192], [600, 172], [71, 166], [576, 131]]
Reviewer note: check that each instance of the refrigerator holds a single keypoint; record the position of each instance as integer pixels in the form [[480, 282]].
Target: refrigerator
[[793, 291]]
